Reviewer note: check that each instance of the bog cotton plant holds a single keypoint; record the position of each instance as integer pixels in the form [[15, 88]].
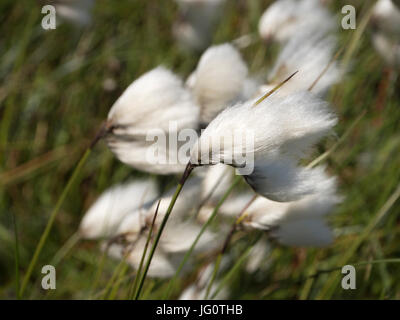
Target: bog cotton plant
[[284, 129], [197, 19], [301, 223], [155, 105], [386, 35], [74, 11], [221, 78], [284, 19], [105, 215]]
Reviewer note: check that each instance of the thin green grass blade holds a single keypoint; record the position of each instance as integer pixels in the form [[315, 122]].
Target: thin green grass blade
[[50, 223], [178, 190], [133, 289], [214, 275]]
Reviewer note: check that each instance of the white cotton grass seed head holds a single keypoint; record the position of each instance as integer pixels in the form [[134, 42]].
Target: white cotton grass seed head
[[283, 131], [154, 104], [105, 215], [177, 238], [196, 23], [310, 54], [386, 31], [219, 80], [284, 19], [386, 16], [389, 50], [162, 266], [297, 223], [187, 202], [75, 11], [282, 180], [257, 256]]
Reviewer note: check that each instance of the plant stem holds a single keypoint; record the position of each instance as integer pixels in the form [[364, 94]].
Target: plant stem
[[133, 289], [203, 229], [185, 176]]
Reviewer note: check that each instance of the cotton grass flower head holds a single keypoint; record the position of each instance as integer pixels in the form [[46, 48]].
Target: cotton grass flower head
[[219, 80], [198, 19], [386, 15], [296, 223], [310, 54], [105, 215], [284, 19], [75, 11], [148, 107], [386, 35], [283, 129], [301, 223]]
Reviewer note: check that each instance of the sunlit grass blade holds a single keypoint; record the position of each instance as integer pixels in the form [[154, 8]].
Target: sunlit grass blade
[[265, 96], [334, 58], [66, 248]]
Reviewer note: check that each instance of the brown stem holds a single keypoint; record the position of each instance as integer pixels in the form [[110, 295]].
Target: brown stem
[[105, 128]]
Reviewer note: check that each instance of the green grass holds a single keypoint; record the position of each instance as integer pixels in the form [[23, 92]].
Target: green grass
[[52, 103]]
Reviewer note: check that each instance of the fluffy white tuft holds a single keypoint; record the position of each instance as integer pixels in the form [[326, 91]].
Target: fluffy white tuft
[[297, 223], [196, 22], [285, 19], [75, 11], [288, 126], [104, 216], [148, 106], [220, 79]]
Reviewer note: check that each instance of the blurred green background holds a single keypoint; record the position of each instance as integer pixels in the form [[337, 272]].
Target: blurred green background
[[55, 92]]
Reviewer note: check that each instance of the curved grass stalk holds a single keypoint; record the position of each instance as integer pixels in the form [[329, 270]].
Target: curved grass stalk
[[214, 275], [185, 176], [50, 223], [66, 248], [132, 290], [203, 229]]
